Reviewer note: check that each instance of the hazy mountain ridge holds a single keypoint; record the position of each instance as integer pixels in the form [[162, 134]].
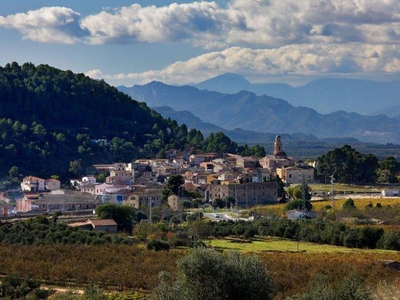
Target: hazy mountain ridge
[[325, 95], [237, 134], [265, 114]]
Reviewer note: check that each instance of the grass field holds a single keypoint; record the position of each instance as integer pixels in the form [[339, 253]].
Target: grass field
[[359, 202], [283, 245], [339, 187]]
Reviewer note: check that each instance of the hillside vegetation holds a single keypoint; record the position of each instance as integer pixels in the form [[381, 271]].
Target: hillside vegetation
[[58, 122]]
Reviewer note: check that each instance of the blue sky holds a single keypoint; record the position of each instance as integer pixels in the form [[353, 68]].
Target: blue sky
[[181, 42]]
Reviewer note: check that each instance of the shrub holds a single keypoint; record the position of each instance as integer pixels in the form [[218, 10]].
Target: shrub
[[348, 204], [390, 240], [207, 274], [41, 294], [350, 287], [158, 245], [15, 287]]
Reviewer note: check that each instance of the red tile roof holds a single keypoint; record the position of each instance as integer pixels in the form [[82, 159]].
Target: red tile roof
[[103, 222]]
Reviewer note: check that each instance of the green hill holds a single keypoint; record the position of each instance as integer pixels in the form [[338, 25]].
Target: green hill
[[51, 120]]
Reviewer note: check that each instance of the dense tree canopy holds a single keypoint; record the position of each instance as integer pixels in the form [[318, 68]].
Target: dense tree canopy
[[348, 165], [388, 170]]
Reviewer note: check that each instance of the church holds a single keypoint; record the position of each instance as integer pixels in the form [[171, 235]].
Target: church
[[290, 171], [279, 159]]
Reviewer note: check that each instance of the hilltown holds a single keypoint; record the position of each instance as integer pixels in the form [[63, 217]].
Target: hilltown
[[138, 184]]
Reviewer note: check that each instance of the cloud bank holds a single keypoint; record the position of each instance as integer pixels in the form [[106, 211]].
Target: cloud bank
[[247, 37], [271, 23], [286, 60]]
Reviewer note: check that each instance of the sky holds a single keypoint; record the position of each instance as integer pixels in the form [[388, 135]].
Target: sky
[[184, 42]]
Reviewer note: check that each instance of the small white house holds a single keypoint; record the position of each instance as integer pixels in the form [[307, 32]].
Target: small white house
[[390, 193]]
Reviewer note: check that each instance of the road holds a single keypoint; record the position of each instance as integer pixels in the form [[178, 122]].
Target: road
[[220, 216]]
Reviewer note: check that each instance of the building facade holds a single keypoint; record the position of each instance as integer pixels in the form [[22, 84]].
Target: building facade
[[246, 194], [296, 175]]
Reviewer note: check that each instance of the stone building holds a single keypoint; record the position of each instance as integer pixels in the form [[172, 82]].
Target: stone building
[[246, 194], [142, 198], [298, 174]]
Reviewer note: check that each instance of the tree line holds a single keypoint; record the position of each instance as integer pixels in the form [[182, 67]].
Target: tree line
[[347, 165]]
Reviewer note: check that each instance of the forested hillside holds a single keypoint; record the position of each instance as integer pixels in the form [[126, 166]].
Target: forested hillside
[[55, 122]]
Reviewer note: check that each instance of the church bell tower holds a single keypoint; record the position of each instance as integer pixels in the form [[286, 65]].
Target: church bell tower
[[278, 147]]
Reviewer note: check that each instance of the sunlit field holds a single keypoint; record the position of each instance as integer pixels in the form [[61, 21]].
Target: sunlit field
[[360, 203], [271, 244], [339, 187]]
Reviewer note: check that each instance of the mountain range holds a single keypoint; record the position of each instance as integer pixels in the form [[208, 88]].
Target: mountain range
[[264, 114], [325, 95], [237, 134]]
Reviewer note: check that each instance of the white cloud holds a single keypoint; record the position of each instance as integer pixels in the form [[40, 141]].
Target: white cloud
[[47, 25], [259, 36], [277, 23], [267, 23], [296, 59], [173, 23]]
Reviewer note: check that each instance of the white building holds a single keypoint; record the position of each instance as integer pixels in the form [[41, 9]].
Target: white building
[[32, 184], [390, 193]]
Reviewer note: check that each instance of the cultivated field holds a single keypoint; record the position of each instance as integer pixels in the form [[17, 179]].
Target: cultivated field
[[272, 244]]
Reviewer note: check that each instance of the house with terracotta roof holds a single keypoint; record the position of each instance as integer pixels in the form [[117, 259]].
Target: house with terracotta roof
[[52, 184], [89, 188], [107, 225], [36, 184], [32, 184], [197, 159], [247, 162]]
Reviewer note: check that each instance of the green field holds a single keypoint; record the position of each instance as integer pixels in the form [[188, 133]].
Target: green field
[[282, 245], [339, 187]]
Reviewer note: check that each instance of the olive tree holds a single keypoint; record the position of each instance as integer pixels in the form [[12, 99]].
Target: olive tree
[[207, 274]]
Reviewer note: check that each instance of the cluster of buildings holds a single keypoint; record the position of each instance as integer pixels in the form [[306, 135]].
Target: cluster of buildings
[[139, 184]]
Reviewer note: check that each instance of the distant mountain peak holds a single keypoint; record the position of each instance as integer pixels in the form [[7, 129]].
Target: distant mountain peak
[[224, 83], [229, 76]]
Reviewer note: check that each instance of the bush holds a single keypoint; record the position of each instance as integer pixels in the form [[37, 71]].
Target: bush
[[369, 205], [390, 240], [348, 204], [92, 292], [15, 287], [158, 245], [42, 294], [207, 274], [350, 287]]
